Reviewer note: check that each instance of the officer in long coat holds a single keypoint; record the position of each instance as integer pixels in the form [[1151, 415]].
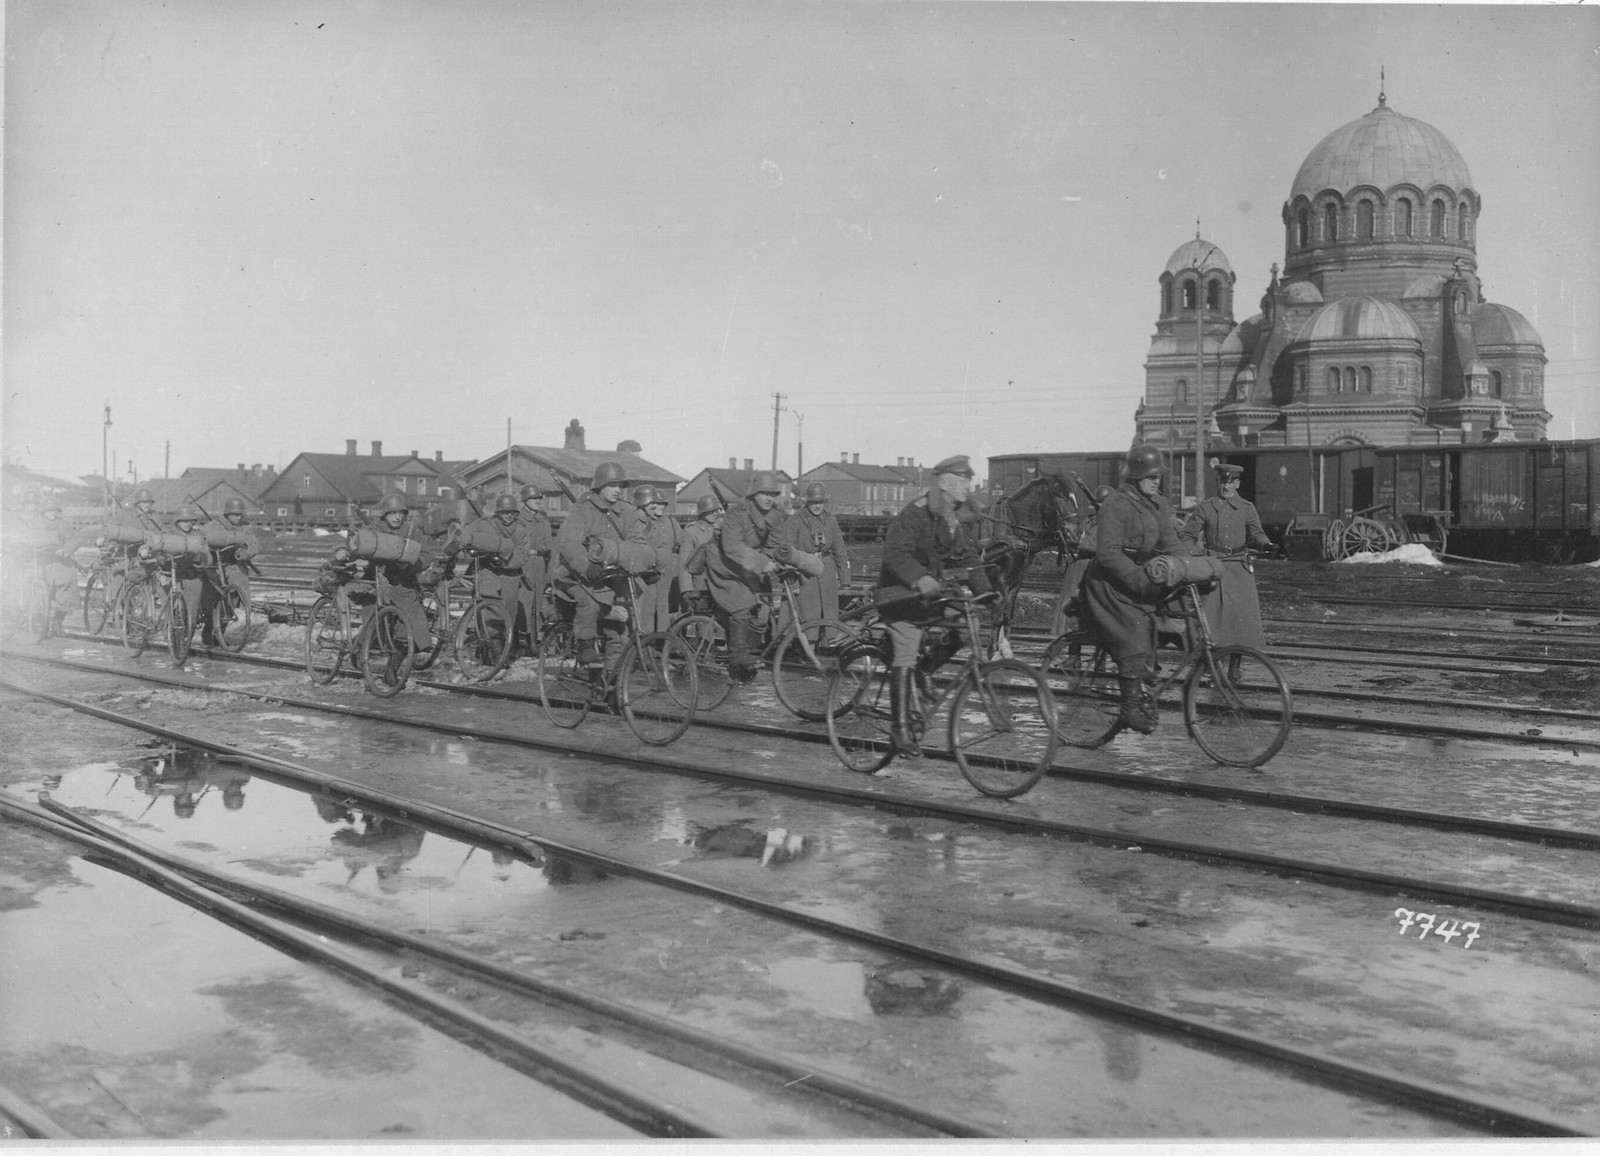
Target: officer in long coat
[[603, 531], [743, 554], [662, 532], [815, 530], [1135, 525], [929, 542], [1229, 523], [694, 591], [532, 532]]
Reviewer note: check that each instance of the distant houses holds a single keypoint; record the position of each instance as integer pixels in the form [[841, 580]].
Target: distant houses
[[854, 488], [562, 473], [728, 484], [338, 487]]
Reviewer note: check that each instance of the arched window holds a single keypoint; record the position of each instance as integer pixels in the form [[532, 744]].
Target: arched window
[[1166, 297], [1213, 294], [1301, 376], [1366, 379], [1402, 218], [1461, 303], [1527, 381], [1364, 220], [1330, 224], [1436, 222], [1497, 385], [1302, 228], [1349, 379], [1461, 223], [1188, 294], [1334, 384], [1181, 396]]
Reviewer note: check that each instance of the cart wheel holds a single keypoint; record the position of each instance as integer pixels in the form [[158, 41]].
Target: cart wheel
[[1333, 540], [1365, 536]]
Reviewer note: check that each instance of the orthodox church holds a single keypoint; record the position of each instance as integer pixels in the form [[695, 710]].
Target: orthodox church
[[1375, 332]]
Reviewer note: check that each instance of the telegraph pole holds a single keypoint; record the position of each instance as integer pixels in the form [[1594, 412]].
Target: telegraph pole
[[800, 443], [1199, 372], [166, 464], [105, 440], [777, 408]]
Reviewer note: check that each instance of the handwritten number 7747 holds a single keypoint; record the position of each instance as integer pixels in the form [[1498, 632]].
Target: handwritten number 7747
[[1445, 929]]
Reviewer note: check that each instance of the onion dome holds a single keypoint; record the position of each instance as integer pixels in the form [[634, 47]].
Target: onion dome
[[1191, 254], [1302, 293], [1382, 149], [1359, 319], [1502, 325]]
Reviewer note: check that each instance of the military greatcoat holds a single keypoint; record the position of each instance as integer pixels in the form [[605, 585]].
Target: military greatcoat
[[1119, 601], [741, 554], [655, 603], [930, 537], [1232, 608], [592, 519], [820, 534]]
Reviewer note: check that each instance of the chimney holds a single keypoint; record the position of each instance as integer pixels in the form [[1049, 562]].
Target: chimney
[[377, 449], [573, 439], [255, 471], [844, 458], [900, 461], [350, 446], [749, 463], [855, 459], [438, 455], [241, 467], [733, 463]]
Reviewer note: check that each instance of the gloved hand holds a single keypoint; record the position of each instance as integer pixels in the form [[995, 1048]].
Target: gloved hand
[[341, 556], [783, 553], [594, 572], [928, 586]]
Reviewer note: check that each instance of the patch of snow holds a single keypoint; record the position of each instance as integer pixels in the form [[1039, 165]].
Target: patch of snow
[[320, 532], [1413, 552]]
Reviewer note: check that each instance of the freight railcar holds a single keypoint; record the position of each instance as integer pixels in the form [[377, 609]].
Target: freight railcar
[[1511, 501]]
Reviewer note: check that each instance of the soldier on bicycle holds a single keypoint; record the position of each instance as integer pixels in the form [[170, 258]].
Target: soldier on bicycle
[[740, 559], [533, 534], [601, 533], [124, 533], [1135, 524], [662, 532], [189, 567], [500, 574], [234, 544], [400, 584], [694, 593], [929, 545], [814, 529]]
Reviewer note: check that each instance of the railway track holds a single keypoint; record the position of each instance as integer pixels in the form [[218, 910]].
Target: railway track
[[1318, 1067]]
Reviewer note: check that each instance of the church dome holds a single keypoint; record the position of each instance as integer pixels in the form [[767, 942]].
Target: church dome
[[1302, 293], [1503, 325], [1190, 254], [1382, 149], [1360, 319]]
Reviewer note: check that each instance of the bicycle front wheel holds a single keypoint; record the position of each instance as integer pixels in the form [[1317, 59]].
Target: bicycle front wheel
[[803, 667], [436, 605], [139, 615], [860, 735], [96, 603], [704, 637], [656, 687], [230, 619], [1237, 706], [387, 655], [1000, 728], [178, 629], [1082, 682], [482, 640], [325, 641], [563, 680]]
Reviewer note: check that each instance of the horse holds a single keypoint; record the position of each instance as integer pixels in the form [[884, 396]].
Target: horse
[[1044, 513]]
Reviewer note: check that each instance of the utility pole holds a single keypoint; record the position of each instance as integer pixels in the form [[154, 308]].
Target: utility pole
[[800, 443], [510, 482], [1199, 372], [777, 408], [166, 465], [105, 440]]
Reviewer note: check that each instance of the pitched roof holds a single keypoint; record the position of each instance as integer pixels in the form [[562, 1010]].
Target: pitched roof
[[348, 474], [581, 464], [251, 483]]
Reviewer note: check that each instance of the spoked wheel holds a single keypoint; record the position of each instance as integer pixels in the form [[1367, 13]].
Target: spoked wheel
[[1082, 681], [656, 687], [704, 637], [387, 655], [140, 608], [96, 603], [1333, 540], [803, 667], [1365, 536], [436, 605], [860, 736], [325, 641], [1237, 706], [482, 640], [230, 619], [178, 627], [563, 680], [1000, 728]]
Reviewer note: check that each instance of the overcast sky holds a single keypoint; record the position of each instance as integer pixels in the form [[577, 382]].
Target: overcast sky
[[260, 228]]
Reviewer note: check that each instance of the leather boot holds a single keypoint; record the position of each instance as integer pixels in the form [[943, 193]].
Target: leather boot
[[900, 692], [743, 662], [1138, 711]]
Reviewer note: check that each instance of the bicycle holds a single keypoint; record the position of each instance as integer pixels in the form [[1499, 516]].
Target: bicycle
[[482, 638], [803, 654], [1000, 729], [336, 619], [230, 612], [153, 602], [654, 684], [1236, 704]]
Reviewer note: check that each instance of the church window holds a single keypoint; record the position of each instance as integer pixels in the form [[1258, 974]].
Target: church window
[[1527, 381], [1364, 220], [1335, 385], [1461, 223], [1301, 376], [1182, 394], [1436, 222], [1402, 218], [1302, 228], [1166, 297], [1461, 303], [1496, 385], [1213, 294], [1366, 380], [1188, 294], [1330, 224], [1350, 379]]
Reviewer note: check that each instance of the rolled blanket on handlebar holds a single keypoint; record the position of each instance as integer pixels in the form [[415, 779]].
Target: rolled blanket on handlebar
[[219, 536], [1175, 570], [811, 565], [485, 538], [172, 542], [124, 535], [369, 543]]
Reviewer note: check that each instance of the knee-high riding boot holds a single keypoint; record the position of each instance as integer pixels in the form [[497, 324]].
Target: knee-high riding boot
[[900, 692], [1138, 711], [742, 659]]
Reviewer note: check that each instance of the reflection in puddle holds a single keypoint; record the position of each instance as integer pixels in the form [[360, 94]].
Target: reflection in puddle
[[772, 846]]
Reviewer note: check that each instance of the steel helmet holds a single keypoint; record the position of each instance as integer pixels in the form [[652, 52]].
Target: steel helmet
[[189, 512], [816, 492], [141, 496], [505, 504], [233, 506], [530, 491], [1144, 461], [608, 474], [764, 482], [707, 504], [391, 502], [1101, 493], [645, 495]]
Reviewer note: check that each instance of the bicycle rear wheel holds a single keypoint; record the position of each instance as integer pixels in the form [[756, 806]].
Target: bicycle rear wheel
[[1237, 706], [140, 608], [387, 655], [325, 641], [96, 603], [482, 641], [656, 688], [1000, 728], [563, 680], [436, 605], [704, 637], [1082, 682], [230, 619], [179, 632], [860, 736], [803, 665]]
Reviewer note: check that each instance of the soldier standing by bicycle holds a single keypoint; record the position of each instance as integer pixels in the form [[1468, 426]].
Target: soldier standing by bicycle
[[662, 532], [601, 533], [1135, 524], [234, 543], [929, 543], [500, 574], [124, 533], [1229, 524], [745, 551], [399, 583], [189, 569], [815, 530], [51, 544], [694, 593], [532, 533]]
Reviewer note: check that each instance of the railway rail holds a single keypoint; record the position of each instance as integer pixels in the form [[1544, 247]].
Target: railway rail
[[1368, 1081]]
